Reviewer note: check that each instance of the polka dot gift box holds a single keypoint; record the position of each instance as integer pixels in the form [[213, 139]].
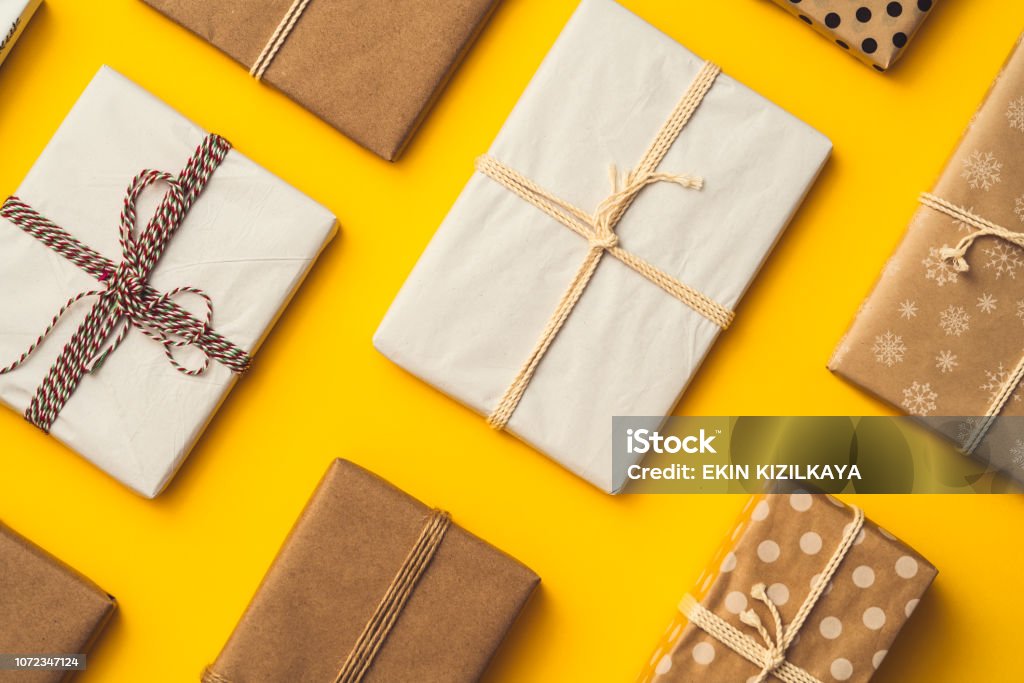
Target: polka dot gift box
[[940, 335], [805, 590], [874, 31]]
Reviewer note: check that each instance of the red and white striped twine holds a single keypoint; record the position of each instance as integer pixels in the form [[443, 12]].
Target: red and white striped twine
[[126, 299]]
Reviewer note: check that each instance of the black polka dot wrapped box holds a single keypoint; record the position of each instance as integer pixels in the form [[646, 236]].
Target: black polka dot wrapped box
[[805, 590], [875, 31]]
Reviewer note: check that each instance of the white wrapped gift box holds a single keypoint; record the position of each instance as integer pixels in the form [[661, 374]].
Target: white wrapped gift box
[[248, 242], [477, 301]]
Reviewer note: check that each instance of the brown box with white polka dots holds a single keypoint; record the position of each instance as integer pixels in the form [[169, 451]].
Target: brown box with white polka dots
[[805, 590]]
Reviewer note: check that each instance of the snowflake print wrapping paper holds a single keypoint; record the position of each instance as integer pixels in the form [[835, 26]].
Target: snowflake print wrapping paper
[[784, 542], [935, 341], [874, 31], [14, 16]]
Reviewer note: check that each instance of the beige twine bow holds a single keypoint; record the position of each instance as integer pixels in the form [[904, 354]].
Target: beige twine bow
[[771, 657], [598, 229], [957, 257]]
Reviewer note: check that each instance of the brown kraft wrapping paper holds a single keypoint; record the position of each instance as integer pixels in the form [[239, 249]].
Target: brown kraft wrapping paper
[[937, 342], [370, 69], [784, 542], [874, 31], [46, 607], [335, 567]]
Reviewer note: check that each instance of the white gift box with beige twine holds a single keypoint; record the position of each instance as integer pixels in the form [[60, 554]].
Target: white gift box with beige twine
[[553, 297]]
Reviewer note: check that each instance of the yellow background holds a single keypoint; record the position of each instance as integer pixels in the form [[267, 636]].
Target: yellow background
[[184, 566]]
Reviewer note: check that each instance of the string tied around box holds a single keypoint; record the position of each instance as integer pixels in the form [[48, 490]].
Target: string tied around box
[[125, 299], [598, 228], [957, 257], [771, 655], [278, 38], [389, 609]]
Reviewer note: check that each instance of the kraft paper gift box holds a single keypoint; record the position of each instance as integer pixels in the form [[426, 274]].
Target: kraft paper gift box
[[367, 563], [779, 552], [940, 335], [486, 287], [874, 31], [370, 69], [247, 243], [14, 16], [46, 607]]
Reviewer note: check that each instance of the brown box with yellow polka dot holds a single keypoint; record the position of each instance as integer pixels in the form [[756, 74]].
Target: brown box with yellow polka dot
[[874, 31], [805, 590]]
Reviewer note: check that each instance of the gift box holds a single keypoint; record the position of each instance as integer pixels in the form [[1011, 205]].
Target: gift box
[[47, 608], [940, 333], [550, 335], [14, 16], [874, 31], [371, 70], [164, 306], [805, 589], [371, 585]]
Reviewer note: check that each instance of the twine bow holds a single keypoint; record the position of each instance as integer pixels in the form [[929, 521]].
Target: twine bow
[[771, 656], [598, 228], [957, 257], [775, 652], [126, 300]]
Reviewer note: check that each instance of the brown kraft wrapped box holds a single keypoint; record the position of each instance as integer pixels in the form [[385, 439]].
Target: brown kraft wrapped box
[[373, 586], [370, 69], [941, 334], [842, 587], [46, 608]]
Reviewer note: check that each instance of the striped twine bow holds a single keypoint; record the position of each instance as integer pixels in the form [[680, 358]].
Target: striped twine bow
[[126, 299], [599, 231], [957, 257], [771, 657]]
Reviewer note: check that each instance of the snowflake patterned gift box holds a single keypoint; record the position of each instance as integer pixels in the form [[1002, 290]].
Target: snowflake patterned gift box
[[941, 333], [166, 302], [14, 16], [500, 314], [874, 31], [805, 590]]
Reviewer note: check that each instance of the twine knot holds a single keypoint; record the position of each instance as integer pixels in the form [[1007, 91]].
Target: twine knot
[[956, 257], [775, 646]]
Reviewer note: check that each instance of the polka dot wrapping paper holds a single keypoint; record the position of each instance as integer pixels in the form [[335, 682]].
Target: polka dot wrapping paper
[[935, 340], [785, 542], [874, 31]]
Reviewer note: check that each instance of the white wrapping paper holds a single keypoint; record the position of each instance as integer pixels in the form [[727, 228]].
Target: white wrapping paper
[[14, 16], [248, 241], [475, 305]]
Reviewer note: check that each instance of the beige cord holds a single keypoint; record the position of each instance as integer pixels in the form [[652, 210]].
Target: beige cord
[[771, 656], [599, 231], [281, 34]]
